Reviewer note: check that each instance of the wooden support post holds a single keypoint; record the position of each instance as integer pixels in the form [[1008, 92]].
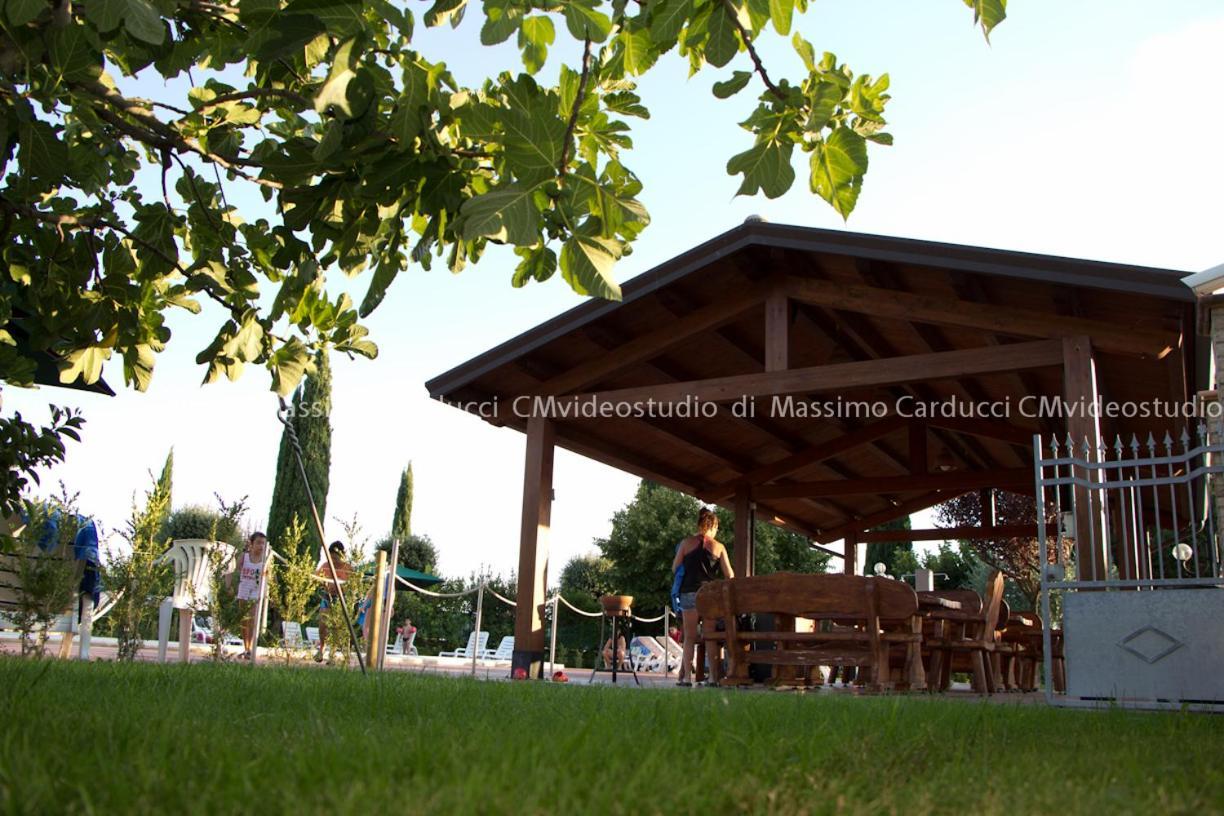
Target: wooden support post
[[987, 514], [375, 649], [851, 552], [529, 633], [743, 556], [777, 331], [1080, 391]]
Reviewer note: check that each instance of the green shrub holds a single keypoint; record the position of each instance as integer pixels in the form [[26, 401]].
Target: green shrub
[[198, 521]]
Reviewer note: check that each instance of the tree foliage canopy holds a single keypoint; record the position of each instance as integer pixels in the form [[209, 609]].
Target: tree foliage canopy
[[117, 207]]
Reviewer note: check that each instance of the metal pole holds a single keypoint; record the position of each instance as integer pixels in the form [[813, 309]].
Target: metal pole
[[552, 640], [476, 633], [283, 416]]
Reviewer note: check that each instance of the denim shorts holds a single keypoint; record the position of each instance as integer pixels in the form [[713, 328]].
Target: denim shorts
[[688, 601]]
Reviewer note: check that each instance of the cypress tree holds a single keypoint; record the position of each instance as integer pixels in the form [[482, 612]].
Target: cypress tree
[[401, 523], [311, 418], [165, 482], [164, 488]]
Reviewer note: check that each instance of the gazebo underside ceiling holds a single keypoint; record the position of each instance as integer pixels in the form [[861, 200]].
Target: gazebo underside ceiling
[[807, 319]]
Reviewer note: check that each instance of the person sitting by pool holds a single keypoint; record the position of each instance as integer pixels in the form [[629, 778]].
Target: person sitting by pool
[[329, 594], [621, 652]]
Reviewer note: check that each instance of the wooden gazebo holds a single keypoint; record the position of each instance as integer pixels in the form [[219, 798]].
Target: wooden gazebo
[[839, 341]]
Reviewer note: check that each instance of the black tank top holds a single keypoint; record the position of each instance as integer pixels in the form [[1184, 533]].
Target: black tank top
[[700, 567]]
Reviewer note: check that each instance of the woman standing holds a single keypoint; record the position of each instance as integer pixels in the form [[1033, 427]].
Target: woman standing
[[250, 586], [702, 557]]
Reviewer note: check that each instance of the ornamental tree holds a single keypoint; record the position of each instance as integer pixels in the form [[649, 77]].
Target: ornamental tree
[[373, 155], [117, 207]]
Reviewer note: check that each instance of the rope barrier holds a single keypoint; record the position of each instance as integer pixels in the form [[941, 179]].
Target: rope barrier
[[576, 609], [423, 591], [498, 596], [648, 620]]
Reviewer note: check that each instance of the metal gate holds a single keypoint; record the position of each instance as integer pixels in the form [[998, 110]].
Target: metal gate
[[1131, 557]]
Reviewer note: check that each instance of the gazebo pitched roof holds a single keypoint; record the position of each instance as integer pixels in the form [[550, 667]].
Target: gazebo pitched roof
[[851, 316]]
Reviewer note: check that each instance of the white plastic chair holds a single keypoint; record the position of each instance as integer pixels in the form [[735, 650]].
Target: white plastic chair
[[402, 646], [474, 644], [504, 651], [312, 635], [646, 654], [190, 558]]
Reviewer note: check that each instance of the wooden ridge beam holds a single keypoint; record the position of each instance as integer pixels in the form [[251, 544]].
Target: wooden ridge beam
[[888, 303], [845, 376], [964, 480]]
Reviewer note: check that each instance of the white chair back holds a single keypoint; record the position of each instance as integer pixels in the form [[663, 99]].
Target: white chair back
[[190, 558]]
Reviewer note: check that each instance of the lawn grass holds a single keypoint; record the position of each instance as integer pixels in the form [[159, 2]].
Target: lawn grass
[[112, 738]]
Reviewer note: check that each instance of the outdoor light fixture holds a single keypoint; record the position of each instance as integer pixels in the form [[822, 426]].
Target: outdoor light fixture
[[944, 461], [1182, 552]]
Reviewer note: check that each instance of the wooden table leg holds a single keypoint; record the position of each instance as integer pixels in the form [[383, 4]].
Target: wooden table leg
[[913, 656]]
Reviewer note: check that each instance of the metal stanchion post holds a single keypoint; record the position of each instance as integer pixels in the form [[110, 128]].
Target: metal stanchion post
[[476, 632], [552, 640]]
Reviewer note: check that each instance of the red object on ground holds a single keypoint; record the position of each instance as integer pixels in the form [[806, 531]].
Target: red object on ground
[[560, 677], [519, 674]]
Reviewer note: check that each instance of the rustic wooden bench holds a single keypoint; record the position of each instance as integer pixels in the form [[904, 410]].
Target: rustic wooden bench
[[857, 619]]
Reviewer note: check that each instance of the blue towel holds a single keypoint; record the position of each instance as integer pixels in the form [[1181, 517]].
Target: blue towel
[[675, 588]]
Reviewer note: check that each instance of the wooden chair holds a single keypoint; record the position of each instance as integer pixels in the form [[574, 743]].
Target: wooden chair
[[968, 633], [884, 611]]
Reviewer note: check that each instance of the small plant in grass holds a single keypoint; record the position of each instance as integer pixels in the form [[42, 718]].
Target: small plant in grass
[[47, 574], [294, 585], [339, 641], [135, 576]]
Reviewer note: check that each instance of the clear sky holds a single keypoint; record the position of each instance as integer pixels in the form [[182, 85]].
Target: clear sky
[[1088, 129]]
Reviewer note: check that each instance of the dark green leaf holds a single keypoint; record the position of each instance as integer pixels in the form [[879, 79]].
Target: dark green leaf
[[507, 214], [766, 167], [107, 15], [585, 21], [730, 87], [20, 12], [724, 40], [144, 22], [342, 18], [538, 264]]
